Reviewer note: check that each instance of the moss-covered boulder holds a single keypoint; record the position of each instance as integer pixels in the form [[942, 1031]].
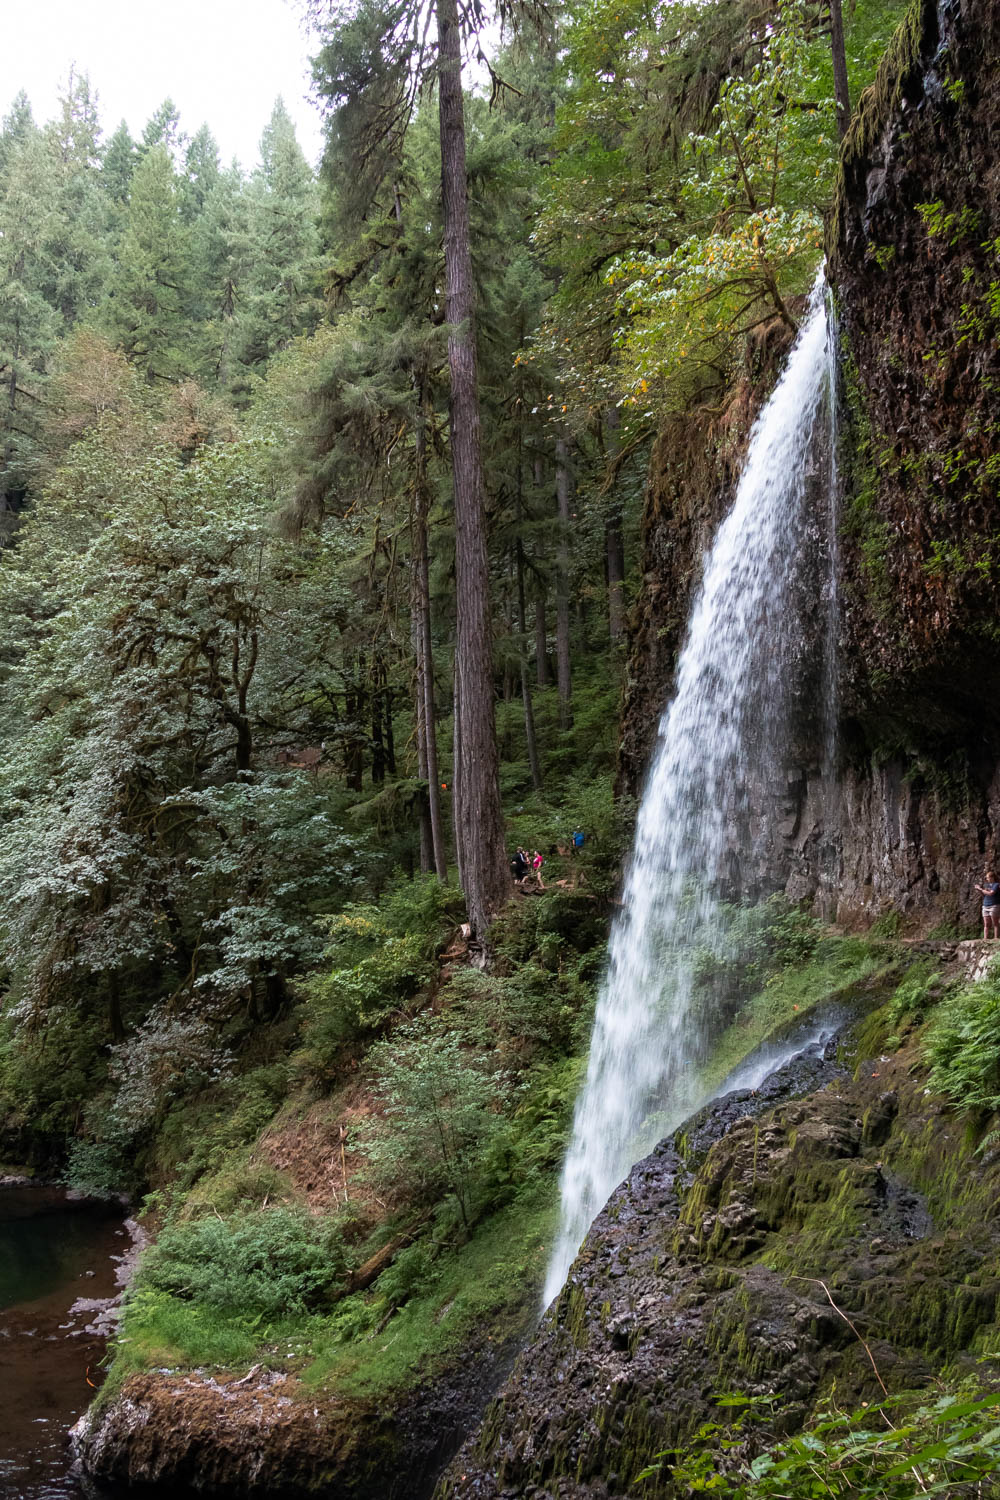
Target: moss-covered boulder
[[775, 1249]]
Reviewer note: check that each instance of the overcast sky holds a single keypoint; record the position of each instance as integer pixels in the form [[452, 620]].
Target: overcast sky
[[223, 62]]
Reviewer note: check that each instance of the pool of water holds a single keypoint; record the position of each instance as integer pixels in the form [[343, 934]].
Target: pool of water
[[57, 1265]]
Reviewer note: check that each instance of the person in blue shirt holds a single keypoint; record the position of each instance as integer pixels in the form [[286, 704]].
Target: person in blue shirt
[[990, 892]]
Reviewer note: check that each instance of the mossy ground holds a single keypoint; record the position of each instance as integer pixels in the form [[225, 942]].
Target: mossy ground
[[478, 1296], [485, 1290], [840, 968]]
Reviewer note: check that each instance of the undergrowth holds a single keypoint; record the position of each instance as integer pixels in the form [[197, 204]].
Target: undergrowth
[[917, 1443], [963, 1047]]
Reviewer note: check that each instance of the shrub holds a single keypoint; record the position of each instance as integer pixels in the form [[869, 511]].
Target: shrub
[[753, 944], [381, 957], [439, 1117], [917, 991], [906, 1445], [524, 1013], [265, 1263], [963, 1047]]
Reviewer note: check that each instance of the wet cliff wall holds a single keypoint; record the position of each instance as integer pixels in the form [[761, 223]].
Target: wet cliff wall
[[915, 263], [694, 469], [915, 259]]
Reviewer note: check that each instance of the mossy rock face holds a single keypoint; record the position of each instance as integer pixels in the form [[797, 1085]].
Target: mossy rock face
[[913, 249], [775, 1245]]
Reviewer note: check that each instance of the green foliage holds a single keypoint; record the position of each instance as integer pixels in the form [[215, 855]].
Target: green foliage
[[520, 1015], [439, 1115], [963, 1047], [904, 1446], [381, 957], [750, 233], [587, 803], [263, 1264], [162, 1330], [46, 1074], [837, 968], [916, 992], [487, 1284], [755, 943], [954, 227]]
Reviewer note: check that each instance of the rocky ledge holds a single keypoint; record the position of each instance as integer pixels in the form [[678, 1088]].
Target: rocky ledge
[[264, 1434], [732, 1260]]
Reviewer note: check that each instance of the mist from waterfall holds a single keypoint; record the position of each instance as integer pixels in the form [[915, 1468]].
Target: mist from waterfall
[[712, 800]]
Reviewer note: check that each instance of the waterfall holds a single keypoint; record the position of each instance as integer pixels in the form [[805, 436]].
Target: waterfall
[[711, 803]]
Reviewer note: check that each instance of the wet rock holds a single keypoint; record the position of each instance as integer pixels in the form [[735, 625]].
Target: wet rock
[[913, 264], [262, 1434], [747, 1245]]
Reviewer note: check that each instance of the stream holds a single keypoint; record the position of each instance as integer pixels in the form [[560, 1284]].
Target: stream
[[56, 1263]]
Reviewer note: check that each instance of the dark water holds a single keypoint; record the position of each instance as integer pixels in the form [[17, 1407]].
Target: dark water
[[55, 1262]]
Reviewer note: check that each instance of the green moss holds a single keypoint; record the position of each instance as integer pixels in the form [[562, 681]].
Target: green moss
[[878, 103], [838, 969], [484, 1291]]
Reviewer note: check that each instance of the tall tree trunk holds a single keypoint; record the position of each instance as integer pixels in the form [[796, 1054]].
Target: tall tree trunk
[[841, 90], [115, 1023], [435, 852], [390, 737], [543, 675], [478, 813], [378, 742], [8, 447], [529, 712], [615, 556], [564, 679], [506, 734], [426, 844], [530, 739], [614, 545], [354, 760]]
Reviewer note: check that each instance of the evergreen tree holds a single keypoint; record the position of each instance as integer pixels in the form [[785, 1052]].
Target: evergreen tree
[[29, 325], [371, 71], [78, 247], [163, 128], [149, 300], [282, 287], [18, 124], [120, 160], [202, 171]]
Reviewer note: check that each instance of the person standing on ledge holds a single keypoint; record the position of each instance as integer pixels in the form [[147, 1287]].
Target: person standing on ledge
[[990, 893]]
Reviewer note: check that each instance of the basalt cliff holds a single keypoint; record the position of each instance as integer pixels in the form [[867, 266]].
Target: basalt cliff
[[913, 261]]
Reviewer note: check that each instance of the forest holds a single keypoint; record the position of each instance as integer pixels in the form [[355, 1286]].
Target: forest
[[326, 517]]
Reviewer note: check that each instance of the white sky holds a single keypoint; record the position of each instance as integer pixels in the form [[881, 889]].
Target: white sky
[[223, 62]]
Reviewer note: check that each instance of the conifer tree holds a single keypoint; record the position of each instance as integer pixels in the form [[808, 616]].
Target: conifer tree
[[282, 290], [222, 253], [78, 247], [371, 71], [163, 128], [202, 171], [18, 124], [149, 296], [29, 325], [120, 160]]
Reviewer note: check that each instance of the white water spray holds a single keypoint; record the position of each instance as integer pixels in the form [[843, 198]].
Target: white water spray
[[708, 812]]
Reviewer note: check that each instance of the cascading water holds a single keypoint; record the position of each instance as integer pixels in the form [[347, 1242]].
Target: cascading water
[[707, 816]]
